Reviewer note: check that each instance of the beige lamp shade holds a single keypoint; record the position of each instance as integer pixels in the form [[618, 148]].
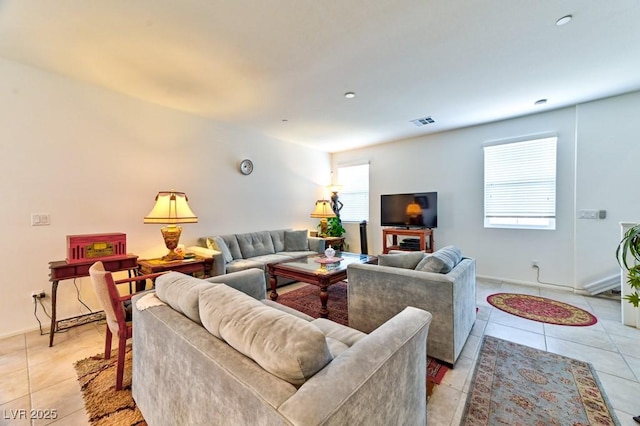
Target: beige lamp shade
[[323, 210], [171, 207]]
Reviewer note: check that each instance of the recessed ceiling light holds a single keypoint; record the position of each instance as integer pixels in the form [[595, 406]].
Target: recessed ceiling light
[[564, 20], [350, 95], [540, 102]]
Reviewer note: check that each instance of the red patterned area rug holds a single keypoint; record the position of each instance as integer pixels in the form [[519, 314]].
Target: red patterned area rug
[[307, 300], [518, 385], [541, 309]]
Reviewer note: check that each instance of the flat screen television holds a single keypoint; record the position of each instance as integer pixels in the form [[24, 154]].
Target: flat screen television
[[417, 210]]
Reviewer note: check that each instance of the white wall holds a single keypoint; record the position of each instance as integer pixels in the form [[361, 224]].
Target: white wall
[[94, 160], [608, 156], [573, 255]]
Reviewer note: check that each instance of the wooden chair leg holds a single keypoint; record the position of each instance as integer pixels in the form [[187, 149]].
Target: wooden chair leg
[[122, 345], [107, 344]]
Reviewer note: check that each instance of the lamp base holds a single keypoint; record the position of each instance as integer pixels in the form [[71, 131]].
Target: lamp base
[[171, 235], [324, 224]]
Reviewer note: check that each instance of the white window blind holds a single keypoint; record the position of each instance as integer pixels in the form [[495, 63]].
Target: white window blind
[[354, 194], [520, 184]]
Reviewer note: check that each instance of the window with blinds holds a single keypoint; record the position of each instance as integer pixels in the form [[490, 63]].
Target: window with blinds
[[354, 194], [520, 184]]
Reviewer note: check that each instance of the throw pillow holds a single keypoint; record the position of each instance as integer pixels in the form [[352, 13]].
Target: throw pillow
[[217, 243], [442, 261], [296, 240], [407, 260], [284, 345]]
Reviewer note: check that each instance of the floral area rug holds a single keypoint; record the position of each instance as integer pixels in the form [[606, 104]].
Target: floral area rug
[[541, 309], [104, 405], [307, 300], [518, 385]]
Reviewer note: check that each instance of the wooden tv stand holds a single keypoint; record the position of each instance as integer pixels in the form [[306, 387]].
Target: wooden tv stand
[[424, 234]]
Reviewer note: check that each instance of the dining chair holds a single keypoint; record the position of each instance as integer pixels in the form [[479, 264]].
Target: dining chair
[[118, 315]]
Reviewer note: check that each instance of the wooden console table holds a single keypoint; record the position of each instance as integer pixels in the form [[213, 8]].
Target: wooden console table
[[61, 270], [425, 235]]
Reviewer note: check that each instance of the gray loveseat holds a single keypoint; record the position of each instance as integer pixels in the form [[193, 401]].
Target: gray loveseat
[[443, 284], [271, 365], [237, 252]]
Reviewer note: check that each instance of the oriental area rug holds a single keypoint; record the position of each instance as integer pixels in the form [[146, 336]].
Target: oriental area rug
[[104, 405], [306, 299], [541, 309], [518, 385]]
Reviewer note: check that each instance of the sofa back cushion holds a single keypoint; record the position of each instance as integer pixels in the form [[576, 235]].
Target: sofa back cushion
[[296, 240], [217, 243], [255, 244], [442, 261], [182, 293], [284, 345], [407, 260], [277, 236], [232, 243]]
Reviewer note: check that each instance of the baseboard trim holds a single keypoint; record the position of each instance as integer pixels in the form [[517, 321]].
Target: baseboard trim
[[556, 287]]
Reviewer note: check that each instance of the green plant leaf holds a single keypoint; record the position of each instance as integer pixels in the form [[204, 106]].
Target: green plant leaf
[[633, 298]]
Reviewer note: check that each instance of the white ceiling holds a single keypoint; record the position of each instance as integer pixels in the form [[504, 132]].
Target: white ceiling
[[257, 63]]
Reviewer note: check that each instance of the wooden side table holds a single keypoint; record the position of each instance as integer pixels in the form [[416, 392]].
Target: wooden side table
[[61, 270], [336, 242], [198, 266]]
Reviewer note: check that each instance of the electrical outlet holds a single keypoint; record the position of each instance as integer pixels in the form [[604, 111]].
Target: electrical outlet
[[38, 294], [534, 264]]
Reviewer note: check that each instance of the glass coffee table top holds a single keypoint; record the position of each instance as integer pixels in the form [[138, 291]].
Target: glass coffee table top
[[321, 265]]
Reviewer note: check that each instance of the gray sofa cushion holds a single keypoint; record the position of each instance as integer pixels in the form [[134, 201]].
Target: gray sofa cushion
[[242, 264], [217, 243], [232, 242], [284, 345], [296, 240], [182, 293], [277, 236], [407, 260], [442, 261], [339, 337], [255, 244]]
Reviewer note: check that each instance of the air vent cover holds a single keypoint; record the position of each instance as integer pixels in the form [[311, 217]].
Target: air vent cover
[[423, 121]]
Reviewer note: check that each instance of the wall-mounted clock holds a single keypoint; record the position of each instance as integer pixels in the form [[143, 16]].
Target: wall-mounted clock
[[246, 167]]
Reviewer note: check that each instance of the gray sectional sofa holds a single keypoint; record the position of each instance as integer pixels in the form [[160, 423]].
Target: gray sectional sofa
[[206, 353], [442, 283], [237, 252]]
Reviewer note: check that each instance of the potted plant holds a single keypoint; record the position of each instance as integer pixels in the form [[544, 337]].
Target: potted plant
[[334, 227], [630, 247]]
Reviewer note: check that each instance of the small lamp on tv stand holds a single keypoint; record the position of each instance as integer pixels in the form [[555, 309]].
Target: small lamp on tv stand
[[171, 208]]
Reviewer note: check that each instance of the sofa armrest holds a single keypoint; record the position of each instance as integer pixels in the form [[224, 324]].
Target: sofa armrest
[[250, 281], [316, 244], [219, 264], [379, 380]]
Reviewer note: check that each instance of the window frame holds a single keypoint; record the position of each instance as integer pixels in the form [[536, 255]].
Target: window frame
[[510, 181], [345, 193]]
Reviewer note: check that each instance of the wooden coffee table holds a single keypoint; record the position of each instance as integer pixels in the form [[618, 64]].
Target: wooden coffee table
[[316, 270]]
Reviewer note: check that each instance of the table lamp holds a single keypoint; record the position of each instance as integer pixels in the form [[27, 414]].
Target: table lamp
[[171, 208], [323, 211]]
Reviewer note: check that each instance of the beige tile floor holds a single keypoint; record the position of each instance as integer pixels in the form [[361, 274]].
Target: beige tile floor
[[36, 377]]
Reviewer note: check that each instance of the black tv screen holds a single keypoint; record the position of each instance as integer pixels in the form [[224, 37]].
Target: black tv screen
[[417, 210]]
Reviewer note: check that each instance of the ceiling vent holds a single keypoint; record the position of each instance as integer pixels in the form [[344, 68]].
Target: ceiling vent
[[423, 121]]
